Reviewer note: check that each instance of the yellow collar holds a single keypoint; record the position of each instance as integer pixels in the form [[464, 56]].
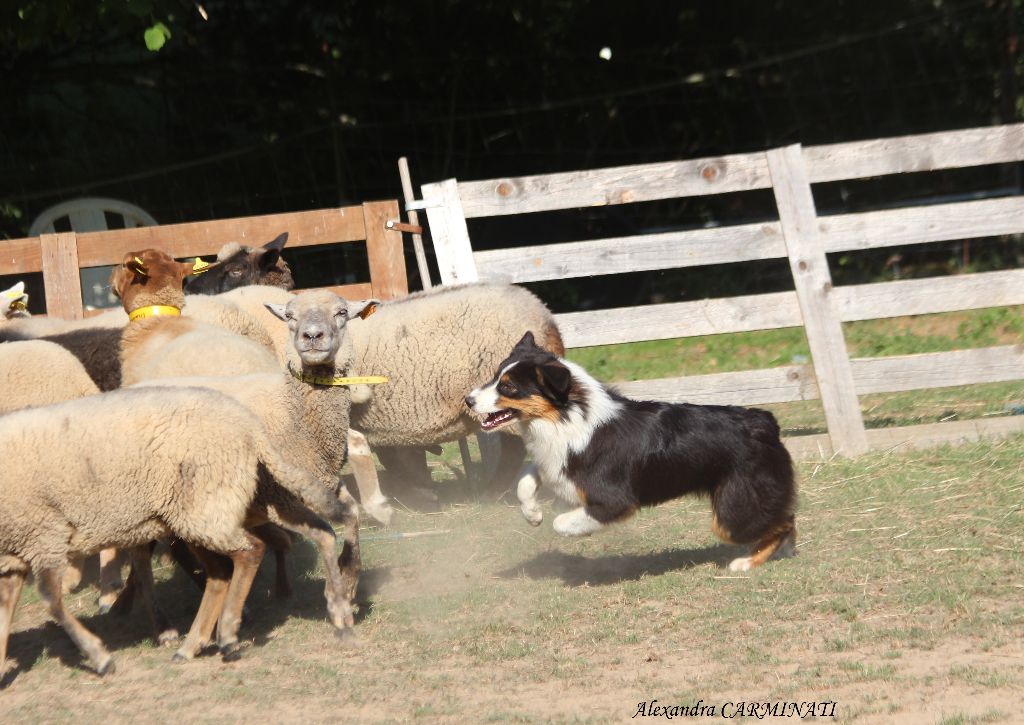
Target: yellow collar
[[338, 379], [154, 311]]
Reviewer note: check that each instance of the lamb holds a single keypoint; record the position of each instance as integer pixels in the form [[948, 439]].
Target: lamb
[[129, 466]]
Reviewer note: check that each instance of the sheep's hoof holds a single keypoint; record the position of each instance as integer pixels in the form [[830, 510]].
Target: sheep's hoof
[[230, 652], [106, 668], [105, 608], [348, 638], [180, 658]]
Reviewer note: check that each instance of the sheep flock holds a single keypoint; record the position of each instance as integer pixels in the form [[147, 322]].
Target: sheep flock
[[212, 414]]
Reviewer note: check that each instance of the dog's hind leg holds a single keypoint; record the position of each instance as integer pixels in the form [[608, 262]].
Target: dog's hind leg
[[526, 491], [779, 542], [576, 523]]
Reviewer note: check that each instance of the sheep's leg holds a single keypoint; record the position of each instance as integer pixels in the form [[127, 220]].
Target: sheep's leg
[[185, 558], [73, 574], [216, 589], [339, 589], [246, 563], [364, 469], [142, 574], [277, 539], [10, 592], [49, 583], [110, 578]]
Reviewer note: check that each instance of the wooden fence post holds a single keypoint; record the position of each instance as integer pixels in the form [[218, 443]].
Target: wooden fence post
[[813, 282], [63, 286], [449, 232], [384, 250]]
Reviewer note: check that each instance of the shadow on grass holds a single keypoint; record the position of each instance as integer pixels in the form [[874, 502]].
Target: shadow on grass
[[179, 597], [575, 570]]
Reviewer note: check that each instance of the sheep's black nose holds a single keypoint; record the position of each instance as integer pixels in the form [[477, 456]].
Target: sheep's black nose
[[313, 333], [470, 400]]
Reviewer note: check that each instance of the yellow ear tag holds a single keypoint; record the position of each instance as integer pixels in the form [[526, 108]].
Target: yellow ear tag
[[139, 267], [20, 304], [367, 311], [200, 266]]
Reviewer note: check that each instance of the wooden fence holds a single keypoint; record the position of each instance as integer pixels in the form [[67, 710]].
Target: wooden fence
[[799, 235], [60, 256]]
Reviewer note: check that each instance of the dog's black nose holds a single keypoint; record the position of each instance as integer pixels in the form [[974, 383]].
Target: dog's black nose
[[470, 400]]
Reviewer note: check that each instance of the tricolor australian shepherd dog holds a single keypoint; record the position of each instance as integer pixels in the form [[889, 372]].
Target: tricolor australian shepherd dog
[[609, 455]]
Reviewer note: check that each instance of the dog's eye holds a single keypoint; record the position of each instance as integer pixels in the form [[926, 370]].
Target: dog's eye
[[507, 389]]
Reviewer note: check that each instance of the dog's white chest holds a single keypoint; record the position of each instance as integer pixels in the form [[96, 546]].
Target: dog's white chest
[[550, 451]]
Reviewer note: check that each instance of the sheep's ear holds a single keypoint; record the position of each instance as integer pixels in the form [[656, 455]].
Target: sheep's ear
[[278, 311], [278, 244], [16, 291], [362, 308]]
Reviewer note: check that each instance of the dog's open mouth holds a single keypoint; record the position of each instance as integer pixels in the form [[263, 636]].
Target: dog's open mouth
[[497, 420]]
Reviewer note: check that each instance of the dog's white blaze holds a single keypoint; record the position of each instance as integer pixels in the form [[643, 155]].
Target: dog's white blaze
[[576, 523], [485, 398], [551, 443]]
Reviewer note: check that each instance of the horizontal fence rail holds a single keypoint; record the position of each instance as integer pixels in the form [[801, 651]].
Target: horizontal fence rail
[[800, 235], [61, 256]]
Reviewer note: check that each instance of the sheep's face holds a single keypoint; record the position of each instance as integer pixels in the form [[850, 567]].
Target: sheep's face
[[152, 277], [317, 321], [239, 266]]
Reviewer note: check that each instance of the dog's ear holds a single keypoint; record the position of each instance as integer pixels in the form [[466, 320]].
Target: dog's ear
[[526, 342], [556, 377]]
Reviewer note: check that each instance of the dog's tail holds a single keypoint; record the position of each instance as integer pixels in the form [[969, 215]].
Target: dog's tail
[[764, 427]]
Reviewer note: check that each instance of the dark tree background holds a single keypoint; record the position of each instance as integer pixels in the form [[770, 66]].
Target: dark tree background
[[267, 106]]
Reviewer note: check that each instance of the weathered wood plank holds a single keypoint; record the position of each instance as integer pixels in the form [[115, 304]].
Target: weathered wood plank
[[791, 383], [938, 369], [935, 294], [60, 275], [20, 256], [449, 233], [384, 250], [747, 387], [781, 309], [305, 228], [921, 224], [920, 437], [668, 250], [679, 319], [618, 185], [739, 172], [814, 292], [921, 152]]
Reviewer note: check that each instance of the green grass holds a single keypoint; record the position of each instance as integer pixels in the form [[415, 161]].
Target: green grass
[[870, 338]]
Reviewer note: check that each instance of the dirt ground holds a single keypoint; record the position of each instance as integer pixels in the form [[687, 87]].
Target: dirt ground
[[489, 620]]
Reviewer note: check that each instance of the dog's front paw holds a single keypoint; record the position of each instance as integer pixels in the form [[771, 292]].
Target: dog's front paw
[[741, 564], [532, 513]]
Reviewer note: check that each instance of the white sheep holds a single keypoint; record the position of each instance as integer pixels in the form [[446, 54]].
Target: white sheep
[[129, 466], [305, 407]]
